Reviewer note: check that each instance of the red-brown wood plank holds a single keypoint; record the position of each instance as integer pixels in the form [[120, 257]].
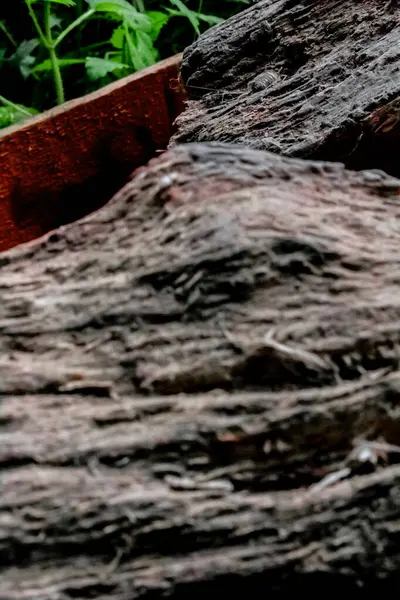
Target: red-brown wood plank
[[68, 161]]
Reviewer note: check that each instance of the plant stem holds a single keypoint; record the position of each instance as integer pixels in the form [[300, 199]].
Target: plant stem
[[36, 24], [58, 82], [15, 106], [90, 47], [57, 77], [4, 29], [72, 26]]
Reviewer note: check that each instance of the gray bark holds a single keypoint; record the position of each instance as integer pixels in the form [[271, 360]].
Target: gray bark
[[180, 371], [337, 91]]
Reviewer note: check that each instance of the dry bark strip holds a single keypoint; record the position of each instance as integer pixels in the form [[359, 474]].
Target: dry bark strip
[[180, 368], [337, 62]]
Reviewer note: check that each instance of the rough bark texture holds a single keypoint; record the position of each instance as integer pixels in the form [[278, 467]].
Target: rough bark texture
[[155, 441], [338, 62]]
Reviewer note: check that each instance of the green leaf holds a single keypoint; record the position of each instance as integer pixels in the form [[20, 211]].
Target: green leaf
[[138, 49], [194, 17], [64, 2], [210, 19], [110, 5], [146, 54], [97, 68], [122, 10], [10, 115], [55, 22], [23, 57], [184, 11], [117, 38], [62, 62], [158, 20]]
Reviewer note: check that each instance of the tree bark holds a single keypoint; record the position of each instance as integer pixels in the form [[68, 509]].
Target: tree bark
[[336, 91], [186, 377]]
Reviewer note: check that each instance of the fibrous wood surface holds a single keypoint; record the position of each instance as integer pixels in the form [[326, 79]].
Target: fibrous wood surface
[[337, 61], [180, 371]]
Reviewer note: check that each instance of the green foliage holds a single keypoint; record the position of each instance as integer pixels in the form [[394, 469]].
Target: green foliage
[[11, 113], [61, 49]]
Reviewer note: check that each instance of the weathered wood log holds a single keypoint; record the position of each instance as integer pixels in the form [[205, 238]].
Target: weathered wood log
[[336, 91], [182, 370]]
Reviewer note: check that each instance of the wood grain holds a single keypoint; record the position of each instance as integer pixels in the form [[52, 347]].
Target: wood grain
[[338, 62], [155, 441]]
